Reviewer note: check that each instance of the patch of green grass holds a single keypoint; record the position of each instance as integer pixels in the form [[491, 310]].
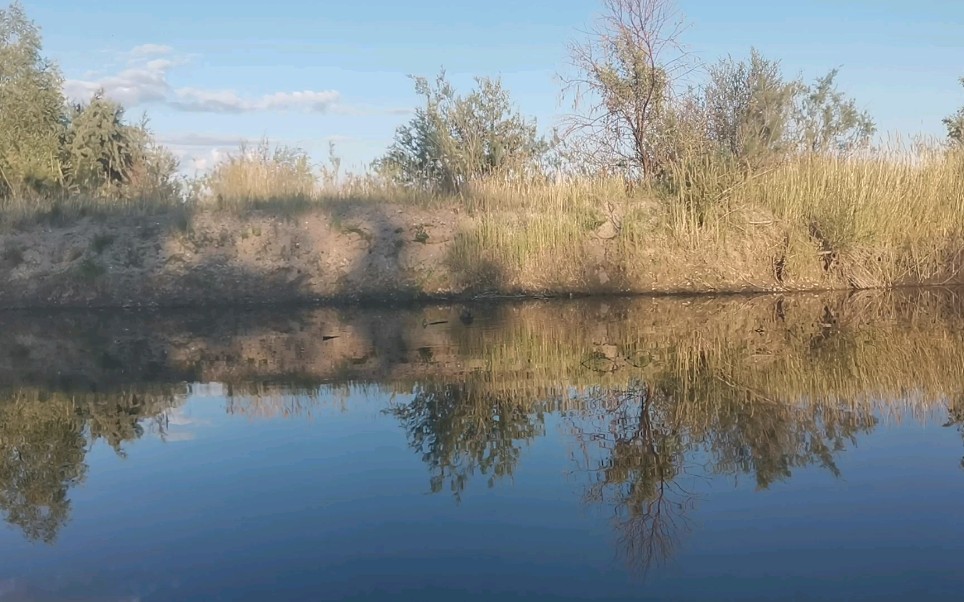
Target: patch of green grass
[[421, 236]]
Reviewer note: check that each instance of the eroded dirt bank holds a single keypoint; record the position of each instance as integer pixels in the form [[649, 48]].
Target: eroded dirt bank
[[381, 252]]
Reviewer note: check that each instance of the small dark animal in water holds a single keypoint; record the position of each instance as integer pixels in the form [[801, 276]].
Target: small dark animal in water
[[466, 316]]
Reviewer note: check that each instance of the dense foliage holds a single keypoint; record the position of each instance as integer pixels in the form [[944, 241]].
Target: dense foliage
[[48, 148], [643, 110], [454, 139]]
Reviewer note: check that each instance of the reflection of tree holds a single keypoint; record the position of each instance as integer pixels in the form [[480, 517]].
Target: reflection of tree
[[458, 430], [955, 415], [768, 440], [637, 443], [117, 423], [634, 451], [42, 449], [43, 444]]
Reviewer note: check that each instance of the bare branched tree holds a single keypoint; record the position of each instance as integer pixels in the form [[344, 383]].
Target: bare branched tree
[[625, 74]]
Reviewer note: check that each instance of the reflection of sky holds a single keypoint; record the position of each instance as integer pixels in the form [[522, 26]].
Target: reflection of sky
[[338, 507], [178, 425]]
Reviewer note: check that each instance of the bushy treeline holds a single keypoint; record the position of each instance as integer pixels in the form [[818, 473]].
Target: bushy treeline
[[50, 148], [630, 119], [643, 110]]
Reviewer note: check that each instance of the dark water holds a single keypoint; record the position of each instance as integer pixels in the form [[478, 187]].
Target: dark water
[[798, 447]]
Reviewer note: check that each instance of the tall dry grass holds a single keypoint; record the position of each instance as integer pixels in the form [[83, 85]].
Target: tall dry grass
[[284, 179], [59, 208], [810, 221], [807, 222]]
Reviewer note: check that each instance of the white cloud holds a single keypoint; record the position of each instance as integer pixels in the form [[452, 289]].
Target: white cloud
[[145, 80], [131, 87], [199, 159], [227, 101]]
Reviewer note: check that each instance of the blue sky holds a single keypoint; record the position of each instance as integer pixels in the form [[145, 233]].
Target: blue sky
[[306, 72]]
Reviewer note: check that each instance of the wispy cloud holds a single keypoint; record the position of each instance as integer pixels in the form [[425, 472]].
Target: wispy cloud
[[130, 87], [145, 80], [227, 101], [199, 159]]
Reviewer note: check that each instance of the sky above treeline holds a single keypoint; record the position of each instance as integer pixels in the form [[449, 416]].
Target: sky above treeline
[[308, 72]]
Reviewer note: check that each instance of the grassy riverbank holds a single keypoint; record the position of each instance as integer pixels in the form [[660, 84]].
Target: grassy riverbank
[[742, 180], [261, 235]]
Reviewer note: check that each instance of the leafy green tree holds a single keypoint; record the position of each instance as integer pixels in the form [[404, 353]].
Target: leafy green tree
[[828, 121], [99, 146], [749, 108], [455, 139], [108, 157], [31, 109], [955, 125], [153, 173], [757, 116]]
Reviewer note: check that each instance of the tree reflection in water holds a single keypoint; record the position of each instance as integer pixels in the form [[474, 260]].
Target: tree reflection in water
[[656, 394], [44, 440], [458, 432], [632, 451], [637, 443], [42, 450]]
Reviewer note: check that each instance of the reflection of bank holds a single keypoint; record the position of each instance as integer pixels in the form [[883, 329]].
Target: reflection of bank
[[541, 346], [762, 384]]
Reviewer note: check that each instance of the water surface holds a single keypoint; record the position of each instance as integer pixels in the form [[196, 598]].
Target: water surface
[[779, 447]]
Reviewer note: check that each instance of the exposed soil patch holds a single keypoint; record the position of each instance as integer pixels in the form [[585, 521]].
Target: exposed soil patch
[[345, 252]]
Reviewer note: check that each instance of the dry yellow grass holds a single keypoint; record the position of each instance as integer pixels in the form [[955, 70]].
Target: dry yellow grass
[[810, 222]]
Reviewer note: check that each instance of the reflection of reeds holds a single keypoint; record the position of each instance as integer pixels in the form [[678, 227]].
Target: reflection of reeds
[[758, 385], [257, 400], [872, 350]]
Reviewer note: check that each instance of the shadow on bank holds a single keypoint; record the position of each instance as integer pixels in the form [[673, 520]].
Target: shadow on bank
[[272, 252]]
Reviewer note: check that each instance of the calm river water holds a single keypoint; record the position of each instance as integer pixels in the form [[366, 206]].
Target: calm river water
[[804, 447]]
